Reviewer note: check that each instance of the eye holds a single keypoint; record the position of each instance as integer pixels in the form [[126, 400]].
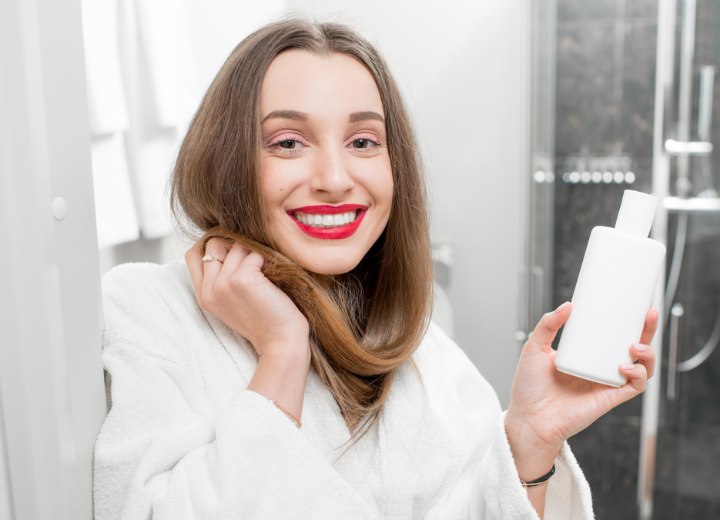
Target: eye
[[286, 145], [364, 143]]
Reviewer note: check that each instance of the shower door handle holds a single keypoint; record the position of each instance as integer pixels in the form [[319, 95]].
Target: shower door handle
[[676, 312], [686, 148]]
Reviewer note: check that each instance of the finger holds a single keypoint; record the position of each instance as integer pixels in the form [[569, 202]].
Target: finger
[[230, 267], [251, 266], [645, 355], [636, 384], [248, 275], [218, 250], [193, 260], [651, 323], [549, 325], [215, 252], [234, 258], [637, 377]]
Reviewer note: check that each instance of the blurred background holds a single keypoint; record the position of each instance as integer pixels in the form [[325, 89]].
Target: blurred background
[[624, 96], [532, 118]]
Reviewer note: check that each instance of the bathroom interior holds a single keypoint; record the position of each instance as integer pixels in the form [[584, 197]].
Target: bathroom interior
[[578, 101], [625, 96]]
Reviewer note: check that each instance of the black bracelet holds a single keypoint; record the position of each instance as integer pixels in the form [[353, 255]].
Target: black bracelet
[[540, 480]]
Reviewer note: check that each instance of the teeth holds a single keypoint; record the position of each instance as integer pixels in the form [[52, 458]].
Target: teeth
[[326, 221]]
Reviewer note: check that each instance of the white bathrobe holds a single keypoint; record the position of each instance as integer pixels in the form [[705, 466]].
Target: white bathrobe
[[185, 439]]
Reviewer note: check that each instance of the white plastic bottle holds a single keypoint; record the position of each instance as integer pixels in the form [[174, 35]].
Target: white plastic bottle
[[613, 294]]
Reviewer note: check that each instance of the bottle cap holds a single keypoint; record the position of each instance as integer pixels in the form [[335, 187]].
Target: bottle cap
[[637, 212]]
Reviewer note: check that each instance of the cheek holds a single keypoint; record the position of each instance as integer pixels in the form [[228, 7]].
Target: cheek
[[276, 182], [383, 186], [389, 187], [377, 178]]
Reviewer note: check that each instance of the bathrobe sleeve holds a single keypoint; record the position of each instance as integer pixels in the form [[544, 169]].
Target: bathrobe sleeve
[[487, 486], [166, 452]]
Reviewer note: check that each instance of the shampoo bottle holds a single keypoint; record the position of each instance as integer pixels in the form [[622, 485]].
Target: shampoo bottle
[[613, 294]]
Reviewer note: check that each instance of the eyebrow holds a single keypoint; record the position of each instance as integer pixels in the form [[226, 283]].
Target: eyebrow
[[301, 116], [286, 114], [364, 116]]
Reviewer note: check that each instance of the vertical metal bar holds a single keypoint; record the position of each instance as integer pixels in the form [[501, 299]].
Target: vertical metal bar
[[704, 126], [707, 80], [685, 90], [619, 75], [660, 187], [539, 238]]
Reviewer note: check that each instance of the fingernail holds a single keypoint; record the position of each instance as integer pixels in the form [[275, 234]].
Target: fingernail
[[562, 306], [629, 366], [640, 347]]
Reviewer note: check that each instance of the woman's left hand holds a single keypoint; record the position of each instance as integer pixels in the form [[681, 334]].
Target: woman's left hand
[[547, 406]]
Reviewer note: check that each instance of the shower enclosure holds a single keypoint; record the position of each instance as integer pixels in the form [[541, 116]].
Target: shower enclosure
[[624, 97]]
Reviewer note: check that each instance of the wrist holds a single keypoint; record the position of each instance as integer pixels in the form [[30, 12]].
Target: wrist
[[285, 355], [534, 455], [285, 361], [281, 377]]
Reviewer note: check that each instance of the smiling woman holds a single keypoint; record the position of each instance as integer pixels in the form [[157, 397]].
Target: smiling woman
[[325, 167], [290, 369], [316, 146]]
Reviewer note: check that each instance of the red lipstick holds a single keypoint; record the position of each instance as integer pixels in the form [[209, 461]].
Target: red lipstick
[[330, 233]]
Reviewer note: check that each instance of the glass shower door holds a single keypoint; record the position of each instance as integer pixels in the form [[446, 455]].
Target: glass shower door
[[681, 416]]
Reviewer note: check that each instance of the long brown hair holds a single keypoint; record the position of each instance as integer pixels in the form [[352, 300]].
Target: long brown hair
[[364, 323]]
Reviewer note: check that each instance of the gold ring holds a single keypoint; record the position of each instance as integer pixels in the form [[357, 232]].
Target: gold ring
[[209, 258]]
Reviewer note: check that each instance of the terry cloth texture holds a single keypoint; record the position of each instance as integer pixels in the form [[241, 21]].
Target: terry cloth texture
[[186, 440]]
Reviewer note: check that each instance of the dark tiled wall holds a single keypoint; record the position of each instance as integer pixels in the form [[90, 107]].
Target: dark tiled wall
[[604, 106], [690, 423], [604, 100]]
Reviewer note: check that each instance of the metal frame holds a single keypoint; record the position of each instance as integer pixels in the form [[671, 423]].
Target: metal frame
[[661, 188]]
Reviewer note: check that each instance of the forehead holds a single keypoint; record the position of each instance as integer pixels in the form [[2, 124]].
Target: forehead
[[318, 83]]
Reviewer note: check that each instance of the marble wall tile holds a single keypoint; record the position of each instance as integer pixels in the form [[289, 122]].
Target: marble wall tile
[[608, 455], [668, 506], [638, 88], [685, 485], [585, 101]]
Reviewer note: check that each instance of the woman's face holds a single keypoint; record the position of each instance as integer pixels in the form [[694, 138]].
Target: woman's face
[[325, 172]]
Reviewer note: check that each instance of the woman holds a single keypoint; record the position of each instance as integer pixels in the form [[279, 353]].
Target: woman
[[288, 370]]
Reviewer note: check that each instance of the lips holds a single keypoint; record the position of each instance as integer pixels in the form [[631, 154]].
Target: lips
[[329, 222]]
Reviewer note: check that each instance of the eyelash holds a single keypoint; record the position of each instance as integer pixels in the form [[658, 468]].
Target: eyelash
[[369, 139], [286, 139], [275, 144]]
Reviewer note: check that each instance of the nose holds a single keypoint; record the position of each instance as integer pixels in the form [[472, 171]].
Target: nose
[[331, 175]]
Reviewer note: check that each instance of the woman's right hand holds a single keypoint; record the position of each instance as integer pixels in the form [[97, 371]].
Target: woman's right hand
[[234, 289]]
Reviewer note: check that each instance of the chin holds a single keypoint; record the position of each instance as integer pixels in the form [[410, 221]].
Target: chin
[[328, 266], [328, 257]]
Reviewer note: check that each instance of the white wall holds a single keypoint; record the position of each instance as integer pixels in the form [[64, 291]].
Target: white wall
[[217, 26]]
